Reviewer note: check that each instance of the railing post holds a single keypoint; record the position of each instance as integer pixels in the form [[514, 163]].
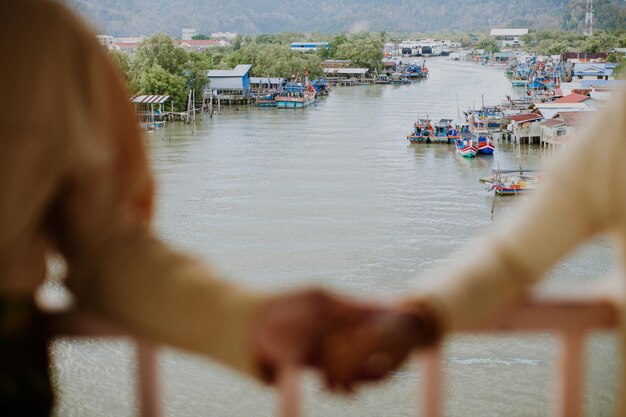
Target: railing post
[[147, 384], [432, 384], [288, 392], [571, 374]]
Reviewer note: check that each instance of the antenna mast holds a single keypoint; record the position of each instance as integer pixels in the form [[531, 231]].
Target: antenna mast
[[589, 19]]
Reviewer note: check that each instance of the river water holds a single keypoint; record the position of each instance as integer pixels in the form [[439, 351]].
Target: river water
[[334, 195]]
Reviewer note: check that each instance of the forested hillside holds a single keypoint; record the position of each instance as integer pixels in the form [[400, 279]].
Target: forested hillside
[[126, 17]]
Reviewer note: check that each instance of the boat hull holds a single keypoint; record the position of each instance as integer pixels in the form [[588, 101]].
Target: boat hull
[[468, 152], [293, 104], [430, 139], [486, 149]]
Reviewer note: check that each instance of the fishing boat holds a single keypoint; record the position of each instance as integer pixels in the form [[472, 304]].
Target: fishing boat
[[513, 182], [466, 148], [513, 185], [267, 100], [484, 142], [295, 96], [321, 87], [521, 76], [399, 79], [422, 131], [488, 117], [417, 71], [382, 79]]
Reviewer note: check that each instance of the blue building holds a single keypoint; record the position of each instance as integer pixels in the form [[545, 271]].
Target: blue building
[[309, 46], [231, 82], [594, 70]]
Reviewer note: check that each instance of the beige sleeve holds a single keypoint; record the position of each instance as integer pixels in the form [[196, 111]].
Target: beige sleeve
[[577, 201], [100, 222]]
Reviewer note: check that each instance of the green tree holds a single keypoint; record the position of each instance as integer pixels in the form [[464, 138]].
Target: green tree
[[557, 48], [363, 50], [195, 72], [156, 80], [123, 62], [273, 60], [488, 44], [200, 37], [160, 50]]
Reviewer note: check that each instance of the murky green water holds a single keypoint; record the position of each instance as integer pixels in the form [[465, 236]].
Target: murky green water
[[335, 196]]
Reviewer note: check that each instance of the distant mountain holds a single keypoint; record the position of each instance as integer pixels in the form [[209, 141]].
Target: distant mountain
[[135, 17]]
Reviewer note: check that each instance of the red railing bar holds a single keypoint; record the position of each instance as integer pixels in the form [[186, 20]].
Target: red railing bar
[[289, 393], [84, 324], [572, 317], [148, 381], [432, 382], [570, 375]]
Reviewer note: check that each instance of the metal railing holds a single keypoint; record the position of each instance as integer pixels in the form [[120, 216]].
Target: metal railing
[[572, 318]]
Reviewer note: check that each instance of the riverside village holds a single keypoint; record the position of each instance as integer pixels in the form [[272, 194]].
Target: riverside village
[[420, 159]]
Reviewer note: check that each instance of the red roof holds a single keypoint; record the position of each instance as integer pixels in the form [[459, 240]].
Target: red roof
[[521, 118], [572, 118], [201, 42], [572, 98]]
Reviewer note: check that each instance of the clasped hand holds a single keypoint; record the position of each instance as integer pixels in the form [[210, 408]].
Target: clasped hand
[[346, 340]]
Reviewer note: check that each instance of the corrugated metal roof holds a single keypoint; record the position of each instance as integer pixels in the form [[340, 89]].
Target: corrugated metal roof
[[149, 99], [509, 32], [239, 71], [552, 123], [521, 118], [572, 118], [264, 80], [345, 70], [571, 98]]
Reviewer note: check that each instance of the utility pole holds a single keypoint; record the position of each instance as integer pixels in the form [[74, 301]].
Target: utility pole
[[589, 19]]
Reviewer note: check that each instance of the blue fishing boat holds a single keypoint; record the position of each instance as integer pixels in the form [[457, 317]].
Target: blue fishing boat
[[267, 100], [422, 132], [295, 96], [417, 71], [321, 87], [521, 75], [484, 142], [444, 132]]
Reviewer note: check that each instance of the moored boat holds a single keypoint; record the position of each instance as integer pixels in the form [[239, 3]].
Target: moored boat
[[268, 100], [466, 147], [484, 142], [422, 132], [295, 95]]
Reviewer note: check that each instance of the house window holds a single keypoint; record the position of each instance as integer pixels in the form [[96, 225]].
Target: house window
[[561, 132], [600, 77]]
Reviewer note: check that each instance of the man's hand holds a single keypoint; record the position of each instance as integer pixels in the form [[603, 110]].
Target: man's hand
[[346, 340]]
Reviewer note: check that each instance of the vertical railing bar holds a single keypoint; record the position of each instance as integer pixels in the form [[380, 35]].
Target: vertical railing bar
[[571, 374], [148, 389], [289, 392], [432, 384]]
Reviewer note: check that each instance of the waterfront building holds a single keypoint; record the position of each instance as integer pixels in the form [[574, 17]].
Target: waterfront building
[[224, 35], [128, 47], [201, 44], [235, 82], [265, 84], [594, 71], [339, 75], [188, 34], [309, 46], [563, 125], [509, 37], [105, 40]]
